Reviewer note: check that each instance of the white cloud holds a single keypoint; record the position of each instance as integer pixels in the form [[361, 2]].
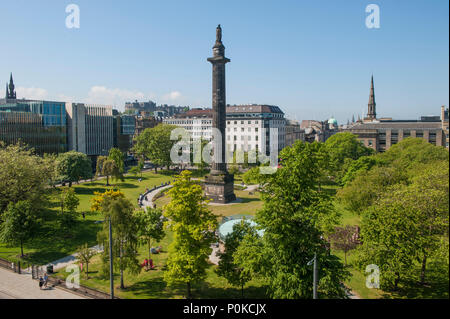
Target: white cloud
[[115, 97], [31, 93], [172, 96]]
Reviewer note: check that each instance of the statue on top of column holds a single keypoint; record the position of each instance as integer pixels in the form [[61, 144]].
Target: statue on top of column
[[219, 34]]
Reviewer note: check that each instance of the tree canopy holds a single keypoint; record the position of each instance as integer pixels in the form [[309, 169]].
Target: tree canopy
[[23, 176], [73, 166], [296, 217], [193, 226], [155, 144]]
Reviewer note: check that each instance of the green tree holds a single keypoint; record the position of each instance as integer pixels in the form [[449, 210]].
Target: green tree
[[135, 170], [358, 167], [406, 225], [252, 176], [151, 226], [23, 176], [296, 217], [117, 156], [19, 224], [108, 167], [155, 144], [193, 226], [124, 233], [199, 162], [84, 255], [395, 166], [73, 166], [69, 202], [343, 149], [235, 274]]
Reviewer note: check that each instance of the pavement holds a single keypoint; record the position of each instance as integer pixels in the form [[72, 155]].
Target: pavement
[[148, 202], [66, 261], [15, 286]]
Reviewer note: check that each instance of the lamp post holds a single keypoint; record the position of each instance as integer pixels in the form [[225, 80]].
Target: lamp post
[[111, 274], [315, 277]]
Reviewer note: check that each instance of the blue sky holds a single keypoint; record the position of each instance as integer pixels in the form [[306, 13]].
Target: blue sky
[[314, 59]]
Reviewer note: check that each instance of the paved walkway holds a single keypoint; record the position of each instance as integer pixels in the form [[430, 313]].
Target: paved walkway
[[15, 286], [66, 261], [148, 200]]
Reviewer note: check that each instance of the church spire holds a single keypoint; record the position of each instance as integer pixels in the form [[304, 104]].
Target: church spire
[[12, 93], [371, 113], [7, 91]]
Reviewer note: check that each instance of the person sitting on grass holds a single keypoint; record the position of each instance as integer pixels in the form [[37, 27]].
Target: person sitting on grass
[[145, 264], [150, 262]]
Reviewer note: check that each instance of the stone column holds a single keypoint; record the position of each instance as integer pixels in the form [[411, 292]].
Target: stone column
[[219, 185]]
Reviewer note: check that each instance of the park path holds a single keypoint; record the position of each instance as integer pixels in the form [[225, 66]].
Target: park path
[[148, 199], [148, 202], [15, 286], [68, 260]]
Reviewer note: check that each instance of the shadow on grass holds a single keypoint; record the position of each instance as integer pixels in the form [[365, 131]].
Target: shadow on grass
[[157, 288], [249, 200], [51, 244], [436, 287]]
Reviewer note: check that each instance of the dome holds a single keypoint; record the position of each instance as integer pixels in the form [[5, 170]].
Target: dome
[[332, 121]]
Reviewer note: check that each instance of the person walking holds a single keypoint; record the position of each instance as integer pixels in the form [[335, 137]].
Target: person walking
[[45, 280], [41, 283]]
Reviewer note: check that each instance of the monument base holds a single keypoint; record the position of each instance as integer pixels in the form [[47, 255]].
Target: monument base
[[220, 188]]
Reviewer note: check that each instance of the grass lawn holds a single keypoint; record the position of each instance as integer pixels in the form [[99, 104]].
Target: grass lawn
[[151, 285], [51, 244], [249, 205]]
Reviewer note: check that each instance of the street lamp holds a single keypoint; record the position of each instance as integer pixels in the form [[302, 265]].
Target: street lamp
[[315, 278], [111, 275]]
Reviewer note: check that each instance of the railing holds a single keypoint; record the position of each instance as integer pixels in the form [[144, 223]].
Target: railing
[[38, 271], [18, 267], [144, 196]]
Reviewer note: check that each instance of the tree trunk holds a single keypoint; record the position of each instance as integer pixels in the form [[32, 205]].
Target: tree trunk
[[122, 286], [189, 291], [107, 180], [87, 270], [396, 281], [424, 266], [149, 248], [70, 184], [156, 170], [21, 248]]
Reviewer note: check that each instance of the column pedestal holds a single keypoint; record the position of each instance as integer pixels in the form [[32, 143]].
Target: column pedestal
[[220, 188]]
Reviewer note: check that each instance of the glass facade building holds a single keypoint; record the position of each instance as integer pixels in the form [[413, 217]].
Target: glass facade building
[[40, 124]]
